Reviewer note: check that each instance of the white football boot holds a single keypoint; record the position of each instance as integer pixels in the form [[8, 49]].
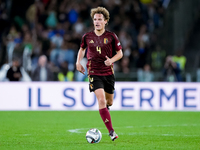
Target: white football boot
[[113, 135]]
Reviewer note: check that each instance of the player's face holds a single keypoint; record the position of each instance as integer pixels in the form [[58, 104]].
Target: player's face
[[99, 22]]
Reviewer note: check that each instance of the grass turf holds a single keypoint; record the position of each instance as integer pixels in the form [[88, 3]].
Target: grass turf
[[61, 130]]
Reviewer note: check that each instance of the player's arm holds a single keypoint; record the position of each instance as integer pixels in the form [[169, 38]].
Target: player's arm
[[115, 58], [81, 54]]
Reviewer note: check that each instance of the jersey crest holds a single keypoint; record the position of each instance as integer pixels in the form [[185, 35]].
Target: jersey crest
[[105, 40]]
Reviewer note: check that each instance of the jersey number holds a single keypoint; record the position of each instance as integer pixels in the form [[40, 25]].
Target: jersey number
[[98, 49]]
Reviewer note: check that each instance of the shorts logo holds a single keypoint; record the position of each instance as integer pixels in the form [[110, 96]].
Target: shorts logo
[[91, 79], [91, 41], [105, 40], [91, 86]]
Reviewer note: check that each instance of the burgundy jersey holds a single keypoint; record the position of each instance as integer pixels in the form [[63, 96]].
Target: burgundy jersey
[[98, 47]]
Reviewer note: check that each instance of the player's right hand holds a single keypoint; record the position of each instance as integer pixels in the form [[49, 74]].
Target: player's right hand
[[80, 68]]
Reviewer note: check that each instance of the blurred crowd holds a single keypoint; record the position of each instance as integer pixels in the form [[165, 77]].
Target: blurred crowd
[[45, 42]]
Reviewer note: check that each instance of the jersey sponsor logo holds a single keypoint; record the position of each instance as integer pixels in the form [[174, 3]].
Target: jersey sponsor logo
[[91, 41], [118, 44], [105, 40]]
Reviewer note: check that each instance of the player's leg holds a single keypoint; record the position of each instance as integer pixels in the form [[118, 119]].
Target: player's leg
[[109, 82], [109, 99], [109, 94], [100, 97], [104, 113], [97, 86]]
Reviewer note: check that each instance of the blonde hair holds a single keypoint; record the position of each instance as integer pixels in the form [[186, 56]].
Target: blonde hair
[[100, 10]]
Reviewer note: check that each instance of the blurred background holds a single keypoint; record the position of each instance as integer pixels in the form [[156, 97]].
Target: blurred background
[[39, 39]]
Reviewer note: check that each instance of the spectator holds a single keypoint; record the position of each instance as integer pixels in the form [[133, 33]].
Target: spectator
[[14, 73], [65, 74], [42, 71], [56, 43], [143, 45], [67, 54], [180, 60], [73, 14], [57, 39], [145, 74], [51, 20], [157, 58], [172, 72], [125, 65], [37, 52], [31, 13], [27, 51], [134, 57]]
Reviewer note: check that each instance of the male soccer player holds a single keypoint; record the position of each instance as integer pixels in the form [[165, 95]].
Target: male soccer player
[[103, 49]]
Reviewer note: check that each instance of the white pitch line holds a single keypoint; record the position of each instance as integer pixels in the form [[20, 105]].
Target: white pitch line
[[150, 126], [78, 130], [83, 130]]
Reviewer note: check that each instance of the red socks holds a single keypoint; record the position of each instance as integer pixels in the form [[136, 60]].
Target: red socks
[[105, 115]]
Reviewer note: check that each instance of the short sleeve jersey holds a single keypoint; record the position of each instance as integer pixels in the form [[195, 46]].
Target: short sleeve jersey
[[98, 47]]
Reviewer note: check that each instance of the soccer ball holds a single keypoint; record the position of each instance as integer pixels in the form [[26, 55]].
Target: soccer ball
[[93, 136]]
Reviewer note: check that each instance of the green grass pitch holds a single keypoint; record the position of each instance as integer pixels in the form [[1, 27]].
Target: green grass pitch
[[65, 130]]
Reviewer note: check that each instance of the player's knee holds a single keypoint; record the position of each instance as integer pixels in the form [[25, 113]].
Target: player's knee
[[102, 101]]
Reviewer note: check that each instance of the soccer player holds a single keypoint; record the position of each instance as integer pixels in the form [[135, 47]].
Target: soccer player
[[103, 49]]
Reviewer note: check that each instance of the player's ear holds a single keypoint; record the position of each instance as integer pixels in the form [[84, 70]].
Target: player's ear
[[106, 22]]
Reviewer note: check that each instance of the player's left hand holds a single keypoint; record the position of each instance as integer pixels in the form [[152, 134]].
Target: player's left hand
[[108, 61]]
